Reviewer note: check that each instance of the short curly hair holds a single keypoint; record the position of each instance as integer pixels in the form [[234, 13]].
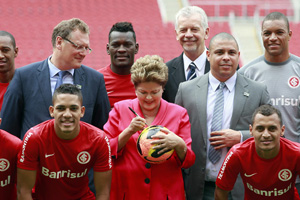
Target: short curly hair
[[149, 69], [122, 27]]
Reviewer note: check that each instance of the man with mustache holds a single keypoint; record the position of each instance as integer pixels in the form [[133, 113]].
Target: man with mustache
[[280, 71], [121, 47]]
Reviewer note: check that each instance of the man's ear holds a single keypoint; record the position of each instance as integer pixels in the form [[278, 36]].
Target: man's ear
[[51, 109], [250, 129], [82, 111], [58, 42], [137, 46], [107, 49]]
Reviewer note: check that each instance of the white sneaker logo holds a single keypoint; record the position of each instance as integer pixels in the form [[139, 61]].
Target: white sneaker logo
[[249, 175], [48, 155]]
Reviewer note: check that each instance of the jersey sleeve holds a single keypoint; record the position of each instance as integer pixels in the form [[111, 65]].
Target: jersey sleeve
[[28, 157], [103, 161], [229, 171]]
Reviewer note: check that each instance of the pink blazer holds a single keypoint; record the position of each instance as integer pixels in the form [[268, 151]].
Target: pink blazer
[[133, 178]]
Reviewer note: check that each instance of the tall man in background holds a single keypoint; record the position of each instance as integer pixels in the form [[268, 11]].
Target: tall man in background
[[280, 71], [8, 53], [220, 105], [121, 47], [191, 28]]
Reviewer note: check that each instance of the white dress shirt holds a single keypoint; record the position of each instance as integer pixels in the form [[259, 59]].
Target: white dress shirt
[[68, 78], [212, 170], [199, 62]]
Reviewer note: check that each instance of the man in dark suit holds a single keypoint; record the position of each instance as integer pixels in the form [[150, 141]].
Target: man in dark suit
[[191, 28], [241, 96], [29, 94]]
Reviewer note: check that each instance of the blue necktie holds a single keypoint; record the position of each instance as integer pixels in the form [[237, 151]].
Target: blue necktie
[[216, 124], [59, 81], [192, 73]]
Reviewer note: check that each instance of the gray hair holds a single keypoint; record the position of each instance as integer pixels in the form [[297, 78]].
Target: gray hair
[[189, 11]]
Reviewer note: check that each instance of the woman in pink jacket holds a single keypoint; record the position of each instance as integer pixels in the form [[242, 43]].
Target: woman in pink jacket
[[133, 178]]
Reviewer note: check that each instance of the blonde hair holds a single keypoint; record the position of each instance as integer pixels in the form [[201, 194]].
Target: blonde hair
[[65, 27], [149, 69]]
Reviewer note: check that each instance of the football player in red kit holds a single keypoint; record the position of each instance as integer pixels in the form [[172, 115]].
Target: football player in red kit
[[57, 154], [10, 147], [267, 162]]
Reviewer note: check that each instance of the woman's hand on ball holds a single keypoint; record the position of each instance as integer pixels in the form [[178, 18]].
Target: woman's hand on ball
[[165, 142]]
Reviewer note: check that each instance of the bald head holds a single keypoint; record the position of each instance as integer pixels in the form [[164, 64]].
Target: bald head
[[222, 36]]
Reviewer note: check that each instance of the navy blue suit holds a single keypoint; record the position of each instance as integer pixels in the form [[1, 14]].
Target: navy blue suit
[[28, 97]]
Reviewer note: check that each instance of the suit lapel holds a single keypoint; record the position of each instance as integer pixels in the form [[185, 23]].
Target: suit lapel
[[79, 77], [201, 95], [43, 76], [177, 73], [240, 97]]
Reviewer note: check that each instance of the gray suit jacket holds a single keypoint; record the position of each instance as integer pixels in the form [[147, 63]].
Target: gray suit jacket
[[192, 95]]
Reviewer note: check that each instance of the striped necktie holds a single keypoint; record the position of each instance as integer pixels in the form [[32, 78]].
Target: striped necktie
[[192, 73], [216, 124]]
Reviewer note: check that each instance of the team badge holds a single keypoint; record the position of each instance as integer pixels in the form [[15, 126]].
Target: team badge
[[294, 82], [83, 157], [285, 175], [4, 164]]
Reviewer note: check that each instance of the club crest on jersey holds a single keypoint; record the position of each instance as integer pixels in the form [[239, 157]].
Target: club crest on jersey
[[285, 175], [83, 157], [4, 164], [294, 82]]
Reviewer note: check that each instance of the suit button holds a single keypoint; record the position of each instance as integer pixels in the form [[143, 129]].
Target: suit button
[[148, 165], [147, 180]]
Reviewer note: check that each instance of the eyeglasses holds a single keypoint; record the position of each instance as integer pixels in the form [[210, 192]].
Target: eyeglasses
[[79, 47]]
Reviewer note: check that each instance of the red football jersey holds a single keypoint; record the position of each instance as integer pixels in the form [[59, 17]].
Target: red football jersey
[[62, 165], [10, 147], [119, 87], [263, 178], [3, 87]]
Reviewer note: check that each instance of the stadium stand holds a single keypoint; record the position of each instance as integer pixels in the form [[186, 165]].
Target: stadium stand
[[32, 22], [245, 8]]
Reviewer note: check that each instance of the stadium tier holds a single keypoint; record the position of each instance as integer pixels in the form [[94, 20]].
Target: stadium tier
[[32, 22]]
